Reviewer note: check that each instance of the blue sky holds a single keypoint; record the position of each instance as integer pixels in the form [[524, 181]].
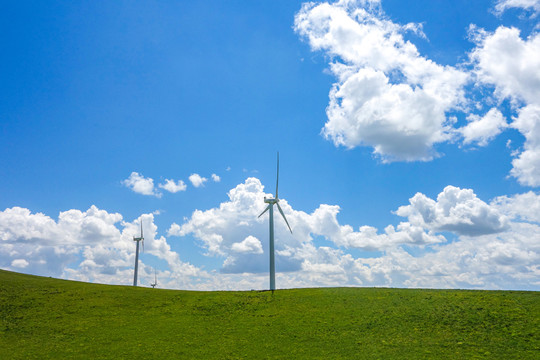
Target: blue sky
[[408, 134]]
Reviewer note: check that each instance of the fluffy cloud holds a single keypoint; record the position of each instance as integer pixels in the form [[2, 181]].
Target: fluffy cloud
[[507, 258], [512, 66], [523, 207], [456, 210], [503, 5], [87, 245], [509, 63], [483, 129], [387, 95], [219, 229], [19, 263], [172, 186], [145, 186], [250, 245], [496, 245], [233, 230], [141, 185], [74, 227], [526, 166], [197, 180]]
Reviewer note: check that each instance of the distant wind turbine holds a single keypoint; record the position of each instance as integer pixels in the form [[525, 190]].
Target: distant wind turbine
[[137, 239], [153, 285], [270, 207]]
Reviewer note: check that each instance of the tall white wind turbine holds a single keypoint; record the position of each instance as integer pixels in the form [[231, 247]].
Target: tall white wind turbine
[[270, 207], [138, 240]]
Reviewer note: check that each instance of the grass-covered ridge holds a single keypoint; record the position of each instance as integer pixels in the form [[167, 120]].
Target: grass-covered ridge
[[49, 318]]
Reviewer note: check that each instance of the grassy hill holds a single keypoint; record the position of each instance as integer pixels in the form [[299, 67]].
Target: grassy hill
[[48, 318]]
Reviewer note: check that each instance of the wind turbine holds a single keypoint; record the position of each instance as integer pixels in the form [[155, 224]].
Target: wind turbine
[[271, 202], [153, 285], [137, 239]]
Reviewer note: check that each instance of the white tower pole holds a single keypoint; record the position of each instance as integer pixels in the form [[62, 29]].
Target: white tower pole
[[136, 264], [272, 257], [137, 239]]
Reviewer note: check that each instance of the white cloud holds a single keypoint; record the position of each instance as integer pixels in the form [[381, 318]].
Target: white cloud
[[497, 245], [88, 246], [521, 207], [387, 95], [512, 66], [216, 178], [483, 129], [250, 245], [19, 263], [456, 210], [503, 5], [141, 185], [174, 230], [197, 180], [526, 166], [74, 227], [48, 246], [172, 186], [509, 63], [506, 259], [219, 229]]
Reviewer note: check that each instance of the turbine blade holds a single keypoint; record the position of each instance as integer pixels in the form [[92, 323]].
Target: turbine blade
[[265, 210], [277, 177], [141, 229], [284, 218]]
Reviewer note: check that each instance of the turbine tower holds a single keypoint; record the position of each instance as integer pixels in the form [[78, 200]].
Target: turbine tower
[[137, 239], [270, 207]]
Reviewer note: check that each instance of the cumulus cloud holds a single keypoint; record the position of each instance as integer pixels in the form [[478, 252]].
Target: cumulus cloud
[[145, 186], [456, 210], [141, 185], [19, 263], [496, 245], [512, 66], [388, 96], [172, 186], [74, 227], [197, 180], [91, 245], [531, 5], [391, 98], [522, 207], [509, 63], [526, 166], [219, 228], [504, 259], [250, 245], [482, 130], [368, 238]]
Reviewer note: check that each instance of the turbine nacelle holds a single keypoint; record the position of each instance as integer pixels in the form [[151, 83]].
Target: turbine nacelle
[[270, 200]]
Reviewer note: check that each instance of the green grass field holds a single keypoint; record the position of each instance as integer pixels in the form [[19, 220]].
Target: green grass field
[[44, 318]]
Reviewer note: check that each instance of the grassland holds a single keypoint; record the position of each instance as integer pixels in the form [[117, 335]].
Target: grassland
[[43, 318]]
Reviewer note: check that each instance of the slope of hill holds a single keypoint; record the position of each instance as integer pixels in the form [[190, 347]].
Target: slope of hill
[[49, 318]]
